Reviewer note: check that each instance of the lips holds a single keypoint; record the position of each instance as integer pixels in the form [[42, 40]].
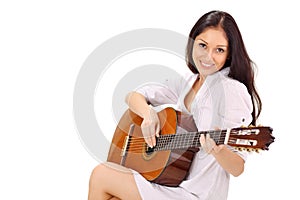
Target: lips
[[207, 65]]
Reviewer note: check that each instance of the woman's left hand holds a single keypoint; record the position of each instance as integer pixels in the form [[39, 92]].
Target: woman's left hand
[[209, 144]]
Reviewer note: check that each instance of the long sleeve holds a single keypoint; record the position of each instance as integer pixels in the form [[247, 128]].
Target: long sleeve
[[238, 105], [164, 93]]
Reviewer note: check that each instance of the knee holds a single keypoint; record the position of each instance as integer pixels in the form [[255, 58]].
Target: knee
[[98, 174]]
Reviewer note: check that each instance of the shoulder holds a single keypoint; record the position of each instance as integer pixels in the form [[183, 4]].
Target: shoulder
[[221, 81], [231, 85], [236, 94], [237, 101], [232, 92], [181, 81]]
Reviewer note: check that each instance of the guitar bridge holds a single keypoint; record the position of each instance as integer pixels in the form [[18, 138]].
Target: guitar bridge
[[125, 145]]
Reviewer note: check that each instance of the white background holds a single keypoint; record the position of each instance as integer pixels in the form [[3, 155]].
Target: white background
[[43, 46]]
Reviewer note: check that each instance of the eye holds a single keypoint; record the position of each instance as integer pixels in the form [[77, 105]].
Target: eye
[[220, 50], [202, 45]]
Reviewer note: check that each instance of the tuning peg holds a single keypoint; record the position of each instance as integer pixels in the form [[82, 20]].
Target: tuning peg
[[238, 148]]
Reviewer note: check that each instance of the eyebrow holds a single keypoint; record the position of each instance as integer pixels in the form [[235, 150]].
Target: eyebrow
[[220, 45]]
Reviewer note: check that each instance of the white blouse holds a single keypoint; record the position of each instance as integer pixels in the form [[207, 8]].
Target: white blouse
[[221, 102]]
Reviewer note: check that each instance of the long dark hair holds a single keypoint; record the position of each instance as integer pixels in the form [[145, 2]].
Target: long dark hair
[[241, 67]]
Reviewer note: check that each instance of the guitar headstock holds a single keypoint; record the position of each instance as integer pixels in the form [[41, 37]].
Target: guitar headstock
[[251, 138]]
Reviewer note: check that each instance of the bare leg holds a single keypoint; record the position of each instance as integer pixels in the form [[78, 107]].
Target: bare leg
[[110, 183]]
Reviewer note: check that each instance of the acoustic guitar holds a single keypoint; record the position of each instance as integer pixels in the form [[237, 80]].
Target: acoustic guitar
[[169, 161]]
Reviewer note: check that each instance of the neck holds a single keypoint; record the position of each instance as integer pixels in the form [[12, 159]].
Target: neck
[[186, 140]]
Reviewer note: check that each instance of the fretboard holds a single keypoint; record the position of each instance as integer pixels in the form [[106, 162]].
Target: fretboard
[[186, 140]]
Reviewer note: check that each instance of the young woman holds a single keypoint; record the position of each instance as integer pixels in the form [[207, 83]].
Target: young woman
[[219, 93]]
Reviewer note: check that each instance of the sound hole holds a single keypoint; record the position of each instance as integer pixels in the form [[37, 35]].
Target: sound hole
[[149, 150]]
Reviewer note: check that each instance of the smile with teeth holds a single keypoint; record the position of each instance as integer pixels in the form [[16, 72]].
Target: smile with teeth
[[207, 64]]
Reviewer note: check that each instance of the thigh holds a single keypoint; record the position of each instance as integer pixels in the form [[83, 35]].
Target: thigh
[[117, 181]]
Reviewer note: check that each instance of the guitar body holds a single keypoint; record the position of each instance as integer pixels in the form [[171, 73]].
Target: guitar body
[[128, 148]]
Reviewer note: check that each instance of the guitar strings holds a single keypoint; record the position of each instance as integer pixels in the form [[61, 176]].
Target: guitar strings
[[138, 148], [179, 140], [190, 134], [166, 142], [174, 137]]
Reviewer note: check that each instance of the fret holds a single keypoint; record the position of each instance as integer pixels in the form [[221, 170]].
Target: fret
[[217, 136], [186, 140]]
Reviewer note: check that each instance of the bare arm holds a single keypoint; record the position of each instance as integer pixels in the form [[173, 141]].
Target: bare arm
[[137, 103], [150, 125], [229, 160]]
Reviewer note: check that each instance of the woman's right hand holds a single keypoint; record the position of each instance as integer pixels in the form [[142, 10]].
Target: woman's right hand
[[150, 127]]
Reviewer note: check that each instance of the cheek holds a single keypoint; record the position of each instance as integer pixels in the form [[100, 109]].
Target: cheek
[[198, 54], [195, 55], [220, 60]]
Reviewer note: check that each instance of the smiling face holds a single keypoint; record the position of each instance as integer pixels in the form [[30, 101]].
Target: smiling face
[[210, 50]]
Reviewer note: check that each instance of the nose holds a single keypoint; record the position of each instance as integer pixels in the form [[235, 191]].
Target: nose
[[208, 56]]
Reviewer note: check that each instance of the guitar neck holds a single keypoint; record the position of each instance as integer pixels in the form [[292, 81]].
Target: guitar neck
[[190, 139]]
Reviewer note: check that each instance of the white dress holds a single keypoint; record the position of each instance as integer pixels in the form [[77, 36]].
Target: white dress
[[222, 103]]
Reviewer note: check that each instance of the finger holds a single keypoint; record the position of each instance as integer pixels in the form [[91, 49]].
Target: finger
[[147, 137], [202, 141], [217, 129], [207, 137], [149, 142], [157, 130], [217, 148], [152, 135], [209, 143], [153, 141], [206, 143]]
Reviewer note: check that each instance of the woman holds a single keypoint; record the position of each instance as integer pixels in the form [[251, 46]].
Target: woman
[[219, 93]]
